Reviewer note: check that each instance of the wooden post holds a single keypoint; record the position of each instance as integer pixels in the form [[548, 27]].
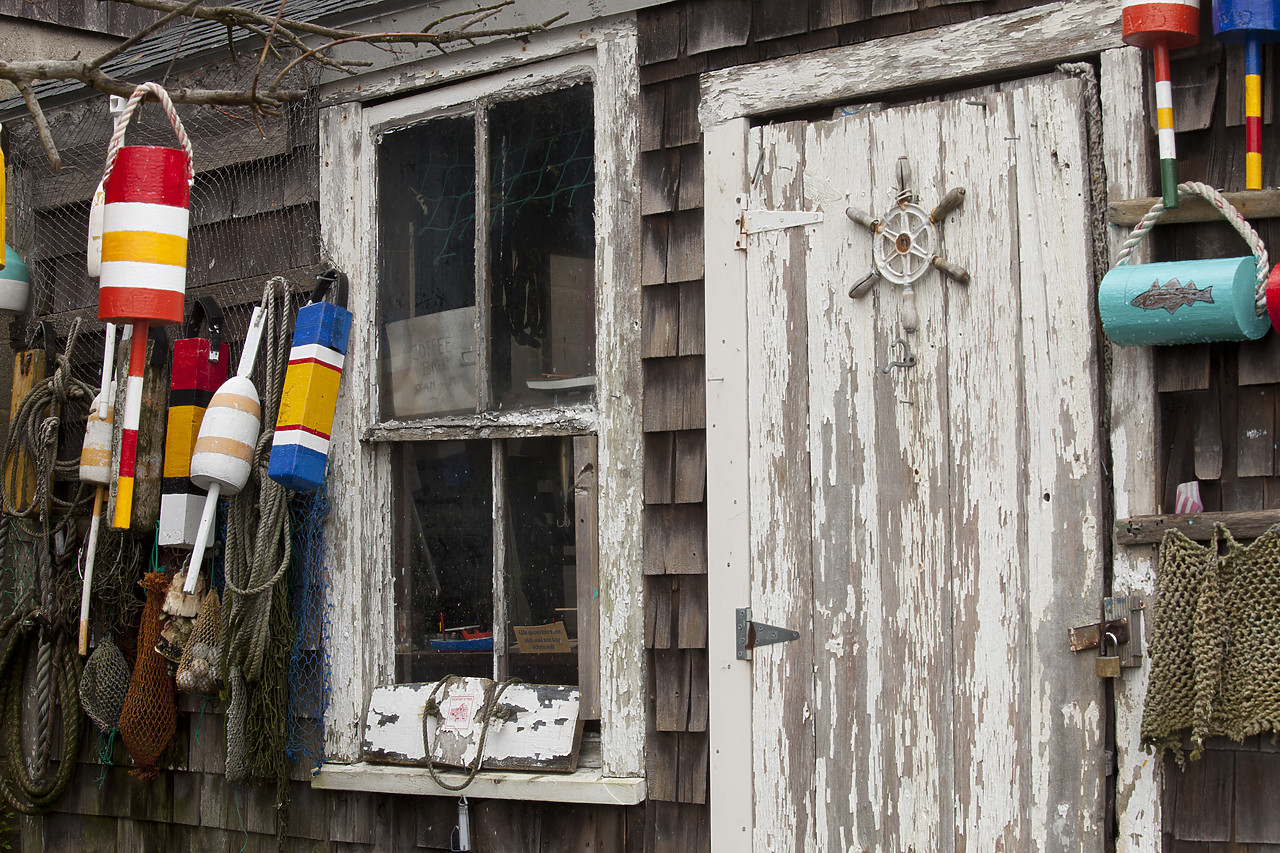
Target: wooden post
[[144, 510]]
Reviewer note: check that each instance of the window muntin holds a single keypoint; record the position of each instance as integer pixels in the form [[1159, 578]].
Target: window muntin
[[466, 505]]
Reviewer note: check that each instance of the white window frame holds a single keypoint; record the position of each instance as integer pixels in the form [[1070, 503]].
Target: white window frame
[[359, 539]]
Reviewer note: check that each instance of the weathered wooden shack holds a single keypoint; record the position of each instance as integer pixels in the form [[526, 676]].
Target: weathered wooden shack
[[640, 402]]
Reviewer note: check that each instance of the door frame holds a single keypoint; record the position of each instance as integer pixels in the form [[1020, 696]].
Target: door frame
[[730, 98]]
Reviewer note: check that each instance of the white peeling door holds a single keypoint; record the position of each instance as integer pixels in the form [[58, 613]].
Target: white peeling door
[[931, 531]]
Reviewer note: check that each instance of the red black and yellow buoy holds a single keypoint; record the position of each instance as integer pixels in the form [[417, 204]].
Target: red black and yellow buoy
[[199, 369]]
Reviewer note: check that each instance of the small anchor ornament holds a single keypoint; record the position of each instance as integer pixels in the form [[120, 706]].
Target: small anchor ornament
[[906, 243]]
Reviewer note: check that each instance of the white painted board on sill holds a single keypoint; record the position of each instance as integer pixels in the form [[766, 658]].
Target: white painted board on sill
[[544, 731]]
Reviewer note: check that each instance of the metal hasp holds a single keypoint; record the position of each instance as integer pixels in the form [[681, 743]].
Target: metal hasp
[[752, 634], [905, 243], [1118, 632], [760, 220]]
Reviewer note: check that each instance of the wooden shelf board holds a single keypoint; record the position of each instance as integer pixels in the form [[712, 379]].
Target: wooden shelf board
[[1150, 529], [1252, 204]]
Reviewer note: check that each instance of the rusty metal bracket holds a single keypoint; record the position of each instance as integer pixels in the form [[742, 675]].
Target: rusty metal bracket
[[752, 634], [1121, 618]]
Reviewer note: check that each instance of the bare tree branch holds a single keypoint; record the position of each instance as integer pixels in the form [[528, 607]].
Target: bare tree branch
[[275, 31]]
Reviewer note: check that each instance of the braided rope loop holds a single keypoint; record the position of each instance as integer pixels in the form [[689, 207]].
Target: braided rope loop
[[122, 122], [1233, 216]]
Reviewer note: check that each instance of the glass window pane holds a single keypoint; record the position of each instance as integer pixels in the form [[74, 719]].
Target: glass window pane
[[542, 253], [426, 268], [541, 561], [443, 559]]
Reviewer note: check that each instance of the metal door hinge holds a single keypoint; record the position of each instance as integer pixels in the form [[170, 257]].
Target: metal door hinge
[[760, 220], [752, 634]]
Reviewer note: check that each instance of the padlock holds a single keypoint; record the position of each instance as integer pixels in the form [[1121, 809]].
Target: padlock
[[1108, 666], [1186, 302]]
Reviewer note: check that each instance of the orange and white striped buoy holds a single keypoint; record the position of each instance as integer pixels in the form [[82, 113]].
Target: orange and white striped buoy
[[223, 454]]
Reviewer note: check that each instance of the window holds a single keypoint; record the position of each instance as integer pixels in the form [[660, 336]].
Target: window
[[486, 300], [487, 453]]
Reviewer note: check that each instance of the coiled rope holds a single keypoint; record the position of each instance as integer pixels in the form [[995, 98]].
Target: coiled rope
[[1233, 216], [39, 623], [490, 712]]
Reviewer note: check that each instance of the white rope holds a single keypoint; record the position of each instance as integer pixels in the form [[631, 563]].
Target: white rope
[[122, 122], [1238, 222]]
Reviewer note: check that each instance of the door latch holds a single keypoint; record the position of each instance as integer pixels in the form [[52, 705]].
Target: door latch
[[752, 634]]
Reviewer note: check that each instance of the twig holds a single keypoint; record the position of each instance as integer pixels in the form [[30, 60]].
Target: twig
[[121, 48], [42, 126]]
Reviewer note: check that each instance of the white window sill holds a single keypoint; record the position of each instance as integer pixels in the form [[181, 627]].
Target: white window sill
[[585, 785]]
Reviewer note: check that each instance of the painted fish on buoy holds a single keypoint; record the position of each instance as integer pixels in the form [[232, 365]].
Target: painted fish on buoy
[[300, 444]]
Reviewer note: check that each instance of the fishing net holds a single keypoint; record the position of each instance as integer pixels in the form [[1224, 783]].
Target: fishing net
[[308, 663], [104, 684], [198, 668], [149, 716]]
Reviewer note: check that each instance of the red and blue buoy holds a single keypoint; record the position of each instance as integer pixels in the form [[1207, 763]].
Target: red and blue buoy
[[1251, 23]]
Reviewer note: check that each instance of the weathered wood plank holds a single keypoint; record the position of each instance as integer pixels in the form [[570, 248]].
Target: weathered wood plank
[[728, 445], [716, 24], [779, 502], [699, 695], [1252, 204], [1208, 436], [1182, 368], [620, 445], [361, 608], [662, 763], [777, 18], [671, 690], [653, 249], [671, 398], [691, 781], [1063, 501], [1200, 798], [675, 540], [1150, 529], [691, 613], [1259, 361], [1255, 431], [660, 597], [586, 501], [995, 44], [692, 318], [684, 246], [660, 323], [153, 417], [660, 181], [659, 34], [1134, 457], [659, 464], [690, 466], [1257, 801]]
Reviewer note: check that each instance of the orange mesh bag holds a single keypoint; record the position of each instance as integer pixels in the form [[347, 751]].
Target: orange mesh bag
[[149, 717], [198, 669]]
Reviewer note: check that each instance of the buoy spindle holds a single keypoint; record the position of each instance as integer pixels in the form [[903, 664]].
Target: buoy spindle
[[95, 467], [1164, 126], [129, 432]]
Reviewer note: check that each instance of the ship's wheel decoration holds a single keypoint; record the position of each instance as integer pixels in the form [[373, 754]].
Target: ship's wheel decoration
[[906, 243]]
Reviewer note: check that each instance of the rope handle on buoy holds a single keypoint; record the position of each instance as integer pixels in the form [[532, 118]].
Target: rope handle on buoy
[[122, 122], [1233, 216]]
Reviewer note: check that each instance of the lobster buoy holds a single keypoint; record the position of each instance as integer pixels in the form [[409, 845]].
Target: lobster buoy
[[1186, 302], [1251, 23], [300, 444], [199, 369], [15, 283], [93, 249], [146, 194], [1161, 26], [223, 452], [95, 468]]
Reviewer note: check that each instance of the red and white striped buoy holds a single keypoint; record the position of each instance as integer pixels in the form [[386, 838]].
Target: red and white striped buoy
[[143, 279], [223, 454]]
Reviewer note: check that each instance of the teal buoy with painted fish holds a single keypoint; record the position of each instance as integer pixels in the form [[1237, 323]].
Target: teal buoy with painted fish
[[1186, 302], [1181, 302]]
